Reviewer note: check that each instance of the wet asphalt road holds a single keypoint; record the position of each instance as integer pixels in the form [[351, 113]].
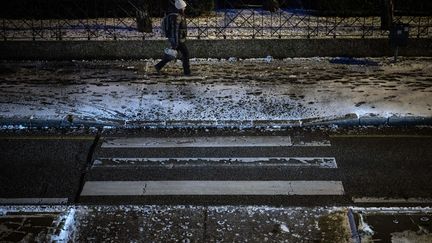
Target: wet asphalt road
[[377, 163], [42, 166]]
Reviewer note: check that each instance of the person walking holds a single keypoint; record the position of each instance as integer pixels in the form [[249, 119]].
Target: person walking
[[176, 34]]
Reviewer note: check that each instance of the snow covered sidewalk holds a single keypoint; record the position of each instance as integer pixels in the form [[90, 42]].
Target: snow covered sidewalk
[[220, 93], [180, 223]]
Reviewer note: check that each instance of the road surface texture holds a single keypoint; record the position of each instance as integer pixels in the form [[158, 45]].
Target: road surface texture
[[206, 185], [231, 92]]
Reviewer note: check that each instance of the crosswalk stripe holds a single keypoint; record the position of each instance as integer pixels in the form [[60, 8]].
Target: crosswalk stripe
[[33, 201], [239, 141], [316, 162], [190, 188]]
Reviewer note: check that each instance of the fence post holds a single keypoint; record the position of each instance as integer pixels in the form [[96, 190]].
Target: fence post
[[4, 30], [387, 15]]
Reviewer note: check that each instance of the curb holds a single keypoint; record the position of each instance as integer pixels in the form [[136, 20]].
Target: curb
[[373, 121], [410, 121], [52, 123], [350, 120]]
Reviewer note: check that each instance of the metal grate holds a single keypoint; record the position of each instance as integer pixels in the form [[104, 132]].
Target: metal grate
[[219, 24]]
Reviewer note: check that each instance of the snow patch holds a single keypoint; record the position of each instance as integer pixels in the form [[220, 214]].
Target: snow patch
[[219, 92], [284, 228], [67, 229]]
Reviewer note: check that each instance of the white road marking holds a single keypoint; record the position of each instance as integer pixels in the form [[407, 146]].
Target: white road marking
[[316, 162], [180, 142], [33, 200], [315, 143], [390, 200], [190, 188]]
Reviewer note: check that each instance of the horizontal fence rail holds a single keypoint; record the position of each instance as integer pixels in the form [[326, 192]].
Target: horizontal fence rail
[[244, 23]]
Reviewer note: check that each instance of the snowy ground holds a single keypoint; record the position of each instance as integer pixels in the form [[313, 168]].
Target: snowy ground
[[150, 223], [130, 92]]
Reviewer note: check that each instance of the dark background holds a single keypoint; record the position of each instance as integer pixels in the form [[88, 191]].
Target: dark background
[[69, 9]]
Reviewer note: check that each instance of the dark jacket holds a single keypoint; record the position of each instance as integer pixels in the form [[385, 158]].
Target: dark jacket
[[178, 29]]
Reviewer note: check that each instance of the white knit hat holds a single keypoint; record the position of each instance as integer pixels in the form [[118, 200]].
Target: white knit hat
[[180, 4]]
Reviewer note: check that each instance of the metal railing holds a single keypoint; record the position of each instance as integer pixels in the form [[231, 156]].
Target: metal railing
[[220, 24]]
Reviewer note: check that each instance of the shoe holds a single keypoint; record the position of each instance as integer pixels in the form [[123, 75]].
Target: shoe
[[187, 73]]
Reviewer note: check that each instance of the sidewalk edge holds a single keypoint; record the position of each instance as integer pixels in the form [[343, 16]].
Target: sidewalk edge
[[350, 120]]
